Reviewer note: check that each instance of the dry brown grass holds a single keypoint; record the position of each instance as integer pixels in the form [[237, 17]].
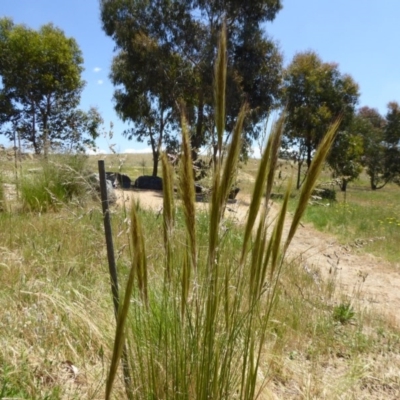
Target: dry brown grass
[[56, 314], [55, 307]]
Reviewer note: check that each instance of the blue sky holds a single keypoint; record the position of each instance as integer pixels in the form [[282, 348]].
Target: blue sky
[[362, 36]]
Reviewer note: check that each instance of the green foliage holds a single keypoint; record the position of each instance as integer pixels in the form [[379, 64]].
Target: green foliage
[[200, 331], [41, 88], [369, 124], [381, 138], [147, 32], [15, 386], [343, 313], [345, 158], [368, 220], [55, 184], [325, 193], [315, 95], [392, 143]]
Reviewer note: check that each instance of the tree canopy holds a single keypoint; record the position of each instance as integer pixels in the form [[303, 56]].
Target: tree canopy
[[41, 87], [345, 157], [166, 51], [381, 144], [392, 143], [315, 95]]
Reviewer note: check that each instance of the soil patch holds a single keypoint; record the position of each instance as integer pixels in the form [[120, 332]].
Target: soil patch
[[368, 280]]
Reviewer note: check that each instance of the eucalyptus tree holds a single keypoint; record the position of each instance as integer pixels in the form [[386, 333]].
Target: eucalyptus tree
[[381, 144], [345, 157], [315, 95], [370, 124], [166, 50], [147, 79], [41, 87], [392, 143]]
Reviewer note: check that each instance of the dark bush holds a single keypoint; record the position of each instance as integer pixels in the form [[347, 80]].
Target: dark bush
[[149, 182], [325, 193]]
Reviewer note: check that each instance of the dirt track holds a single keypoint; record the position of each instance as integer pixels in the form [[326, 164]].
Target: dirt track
[[371, 280]]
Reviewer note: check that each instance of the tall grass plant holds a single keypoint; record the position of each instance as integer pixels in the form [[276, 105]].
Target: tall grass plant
[[198, 318], [55, 184]]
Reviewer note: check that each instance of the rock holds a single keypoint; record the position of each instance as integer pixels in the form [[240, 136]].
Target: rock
[[233, 193], [119, 180], [111, 195], [198, 188], [111, 176], [94, 181], [276, 196], [149, 182], [325, 193]]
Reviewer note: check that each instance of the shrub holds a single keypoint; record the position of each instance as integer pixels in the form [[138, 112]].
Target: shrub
[[326, 193]]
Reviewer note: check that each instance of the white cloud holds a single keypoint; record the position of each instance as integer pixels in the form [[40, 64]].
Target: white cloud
[[97, 69], [100, 82], [204, 151], [146, 150], [96, 151], [255, 152]]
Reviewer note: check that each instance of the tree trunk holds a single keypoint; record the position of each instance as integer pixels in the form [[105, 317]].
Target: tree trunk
[[373, 183], [298, 174], [214, 156], [376, 187], [196, 140], [309, 151], [46, 139], [35, 144], [156, 157], [19, 146], [155, 151], [45, 143], [343, 186]]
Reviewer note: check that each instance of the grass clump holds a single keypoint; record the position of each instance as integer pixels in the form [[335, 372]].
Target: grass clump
[[54, 184], [197, 318], [343, 313], [52, 301]]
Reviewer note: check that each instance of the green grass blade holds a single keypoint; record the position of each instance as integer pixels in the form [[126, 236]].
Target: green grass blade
[[168, 211], [232, 157], [278, 231], [311, 179], [139, 255], [275, 147], [222, 185], [138, 263], [257, 253], [259, 186], [220, 88], [186, 190]]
